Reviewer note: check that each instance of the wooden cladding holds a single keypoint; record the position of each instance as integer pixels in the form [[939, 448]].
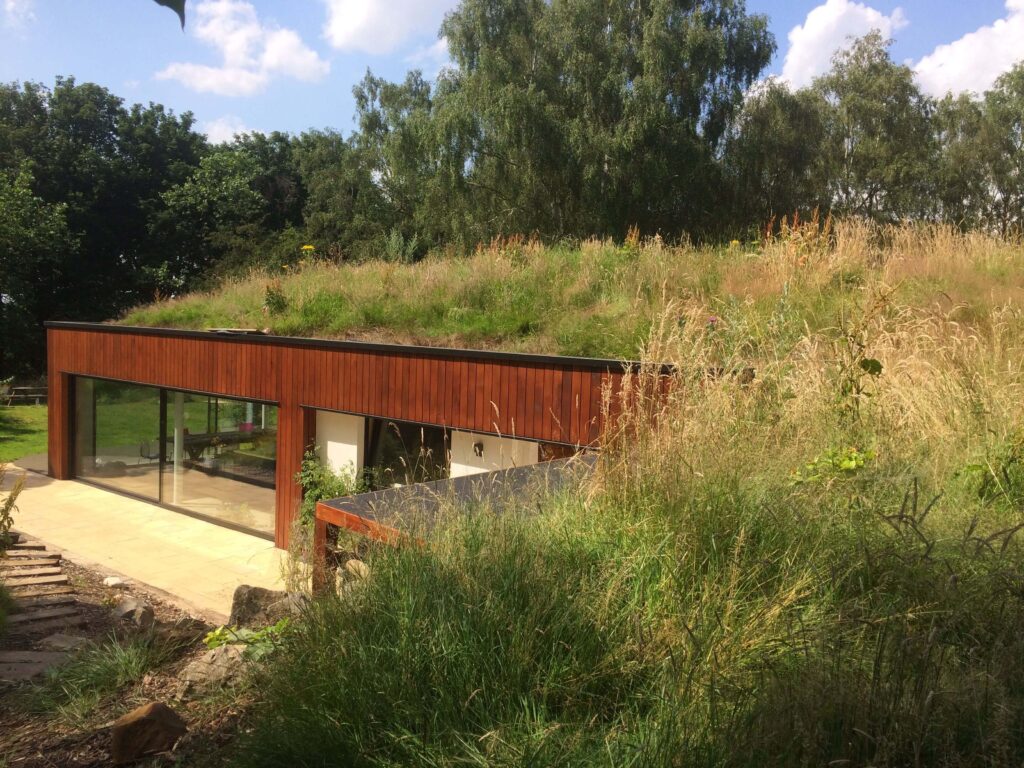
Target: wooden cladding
[[547, 399]]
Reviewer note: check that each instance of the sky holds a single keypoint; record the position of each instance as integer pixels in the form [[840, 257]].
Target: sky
[[290, 64]]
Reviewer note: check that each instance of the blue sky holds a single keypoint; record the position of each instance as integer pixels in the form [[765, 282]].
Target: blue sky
[[290, 64]]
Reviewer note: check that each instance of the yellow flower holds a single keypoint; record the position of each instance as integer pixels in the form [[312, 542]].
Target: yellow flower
[[308, 248], [734, 244]]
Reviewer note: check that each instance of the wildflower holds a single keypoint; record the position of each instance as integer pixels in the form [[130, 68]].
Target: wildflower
[[308, 248], [734, 244], [712, 322]]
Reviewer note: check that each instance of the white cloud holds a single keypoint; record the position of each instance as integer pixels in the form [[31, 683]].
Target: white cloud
[[252, 53], [223, 129], [432, 59], [973, 62], [17, 13], [829, 28], [380, 26]]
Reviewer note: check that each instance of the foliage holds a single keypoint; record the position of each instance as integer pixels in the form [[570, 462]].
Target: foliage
[[689, 598], [834, 463], [105, 206], [23, 430], [8, 501], [258, 642], [319, 483], [74, 690]]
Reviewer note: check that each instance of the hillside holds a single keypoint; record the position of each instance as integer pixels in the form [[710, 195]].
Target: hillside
[[602, 299]]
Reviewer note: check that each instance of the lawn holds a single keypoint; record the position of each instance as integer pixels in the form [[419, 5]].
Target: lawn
[[22, 431]]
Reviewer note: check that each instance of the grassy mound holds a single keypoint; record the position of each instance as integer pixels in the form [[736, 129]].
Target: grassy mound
[[818, 567], [603, 299]]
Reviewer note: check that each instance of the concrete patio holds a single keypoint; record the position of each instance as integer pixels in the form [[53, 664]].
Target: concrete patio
[[195, 564]]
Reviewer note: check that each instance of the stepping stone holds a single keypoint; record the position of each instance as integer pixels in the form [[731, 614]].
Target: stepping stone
[[13, 576], [28, 581], [26, 547], [24, 562], [50, 625], [47, 600], [19, 673], [39, 614], [29, 554], [30, 657], [17, 666], [46, 590], [59, 642]]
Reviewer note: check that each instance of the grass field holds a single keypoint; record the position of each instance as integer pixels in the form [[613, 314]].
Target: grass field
[[22, 431]]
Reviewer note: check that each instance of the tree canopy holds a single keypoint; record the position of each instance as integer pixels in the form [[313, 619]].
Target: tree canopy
[[556, 119]]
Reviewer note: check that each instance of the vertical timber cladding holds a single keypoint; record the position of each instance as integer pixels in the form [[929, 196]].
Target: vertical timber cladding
[[536, 397]]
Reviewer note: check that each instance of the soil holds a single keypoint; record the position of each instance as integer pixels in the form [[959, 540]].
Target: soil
[[35, 740]]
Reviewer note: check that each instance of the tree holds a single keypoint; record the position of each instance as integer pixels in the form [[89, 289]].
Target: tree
[[880, 146], [37, 264], [1002, 140], [581, 117], [774, 155], [213, 215]]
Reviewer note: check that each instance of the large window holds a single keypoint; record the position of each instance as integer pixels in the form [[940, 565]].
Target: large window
[[117, 439], [399, 453], [213, 456]]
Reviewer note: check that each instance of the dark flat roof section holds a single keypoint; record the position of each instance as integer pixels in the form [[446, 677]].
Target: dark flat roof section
[[415, 508]]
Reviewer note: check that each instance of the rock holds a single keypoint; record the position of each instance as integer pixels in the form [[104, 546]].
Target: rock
[[216, 667], [151, 728], [255, 607], [115, 582], [139, 612], [357, 569], [61, 642]]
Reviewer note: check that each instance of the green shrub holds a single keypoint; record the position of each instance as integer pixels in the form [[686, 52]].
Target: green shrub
[[319, 482]]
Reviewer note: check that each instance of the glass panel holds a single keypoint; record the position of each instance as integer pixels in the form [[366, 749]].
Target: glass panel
[[221, 458], [401, 453], [117, 435]]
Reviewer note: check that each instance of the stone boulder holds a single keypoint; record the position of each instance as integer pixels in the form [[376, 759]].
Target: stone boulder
[[256, 607], [138, 612], [151, 728], [217, 667]]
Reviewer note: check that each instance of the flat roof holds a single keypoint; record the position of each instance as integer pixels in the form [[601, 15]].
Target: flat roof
[[589, 363]]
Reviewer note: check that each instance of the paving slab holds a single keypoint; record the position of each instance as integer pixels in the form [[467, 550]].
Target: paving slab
[[191, 562]]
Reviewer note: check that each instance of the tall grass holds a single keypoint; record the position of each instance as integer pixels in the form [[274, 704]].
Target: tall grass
[[729, 588], [73, 691], [603, 298]]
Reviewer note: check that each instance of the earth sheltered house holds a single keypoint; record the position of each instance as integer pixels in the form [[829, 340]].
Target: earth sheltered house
[[215, 424]]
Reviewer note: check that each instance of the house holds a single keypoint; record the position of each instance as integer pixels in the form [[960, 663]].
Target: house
[[216, 424]]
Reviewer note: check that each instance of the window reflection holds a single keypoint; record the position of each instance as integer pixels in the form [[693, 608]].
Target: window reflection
[[213, 456]]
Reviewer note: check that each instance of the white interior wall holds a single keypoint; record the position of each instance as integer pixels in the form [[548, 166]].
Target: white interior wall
[[498, 453], [340, 438]]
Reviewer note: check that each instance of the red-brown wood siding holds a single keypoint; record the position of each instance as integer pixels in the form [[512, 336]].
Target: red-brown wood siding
[[538, 400]]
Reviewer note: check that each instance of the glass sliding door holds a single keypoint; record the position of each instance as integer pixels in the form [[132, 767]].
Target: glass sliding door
[[213, 456], [220, 458], [117, 435]]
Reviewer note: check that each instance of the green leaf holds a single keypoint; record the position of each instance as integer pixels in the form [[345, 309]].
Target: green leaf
[[178, 6], [871, 366]]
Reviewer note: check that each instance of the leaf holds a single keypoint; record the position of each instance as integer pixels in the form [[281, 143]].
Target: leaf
[[871, 366], [178, 6]]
